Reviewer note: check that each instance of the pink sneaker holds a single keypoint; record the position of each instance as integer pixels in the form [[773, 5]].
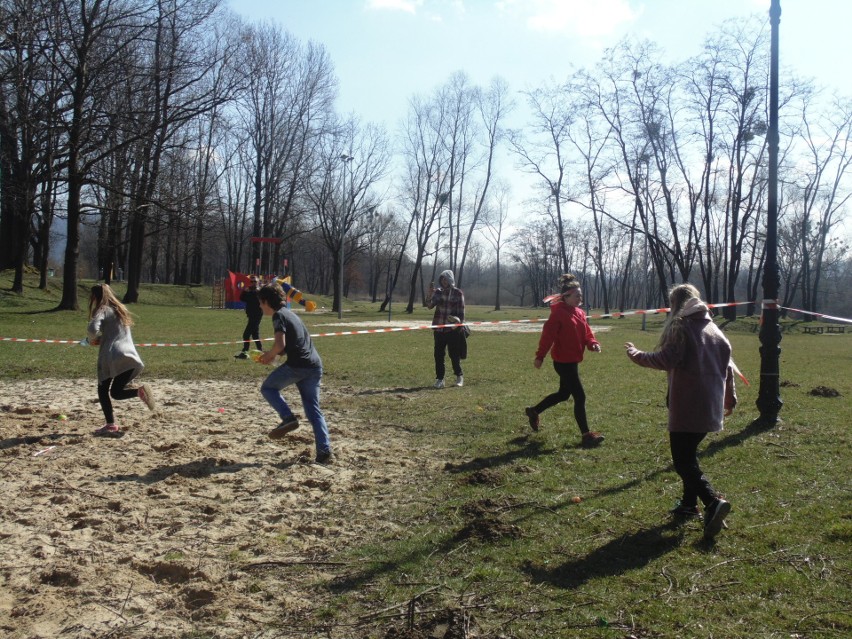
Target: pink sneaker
[[108, 430]]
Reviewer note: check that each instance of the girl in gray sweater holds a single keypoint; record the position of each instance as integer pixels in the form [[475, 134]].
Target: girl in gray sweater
[[118, 361]]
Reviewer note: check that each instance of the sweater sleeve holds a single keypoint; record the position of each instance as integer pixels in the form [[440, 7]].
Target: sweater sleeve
[[94, 326], [662, 360], [730, 389], [591, 342]]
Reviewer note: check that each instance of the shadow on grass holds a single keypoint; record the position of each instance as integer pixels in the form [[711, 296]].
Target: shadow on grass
[[398, 389], [622, 554], [733, 439], [195, 469], [527, 450], [625, 553], [33, 439]]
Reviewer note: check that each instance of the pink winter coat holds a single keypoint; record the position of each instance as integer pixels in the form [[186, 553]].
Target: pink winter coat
[[700, 376]]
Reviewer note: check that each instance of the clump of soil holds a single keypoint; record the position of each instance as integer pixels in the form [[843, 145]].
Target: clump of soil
[[447, 624], [824, 391]]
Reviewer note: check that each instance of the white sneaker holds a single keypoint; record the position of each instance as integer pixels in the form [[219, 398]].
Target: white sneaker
[[439, 383], [459, 380]]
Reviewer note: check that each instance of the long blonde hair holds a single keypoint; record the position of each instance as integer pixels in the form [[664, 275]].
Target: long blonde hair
[[102, 295], [673, 331]]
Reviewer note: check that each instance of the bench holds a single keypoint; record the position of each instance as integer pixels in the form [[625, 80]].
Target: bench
[[835, 329], [814, 330]]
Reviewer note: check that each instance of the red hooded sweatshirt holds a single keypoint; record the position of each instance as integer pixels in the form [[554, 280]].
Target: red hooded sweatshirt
[[567, 332]]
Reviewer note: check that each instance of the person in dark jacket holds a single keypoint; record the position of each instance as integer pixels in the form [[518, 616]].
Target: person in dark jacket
[[701, 392], [254, 315], [448, 302], [566, 334]]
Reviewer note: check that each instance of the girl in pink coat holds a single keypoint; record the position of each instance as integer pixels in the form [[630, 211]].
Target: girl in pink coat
[[566, 334], [697, 358]]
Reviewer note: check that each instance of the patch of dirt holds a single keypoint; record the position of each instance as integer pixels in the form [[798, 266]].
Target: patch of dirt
[[824, 391], [447, 624], [487, 521], [193, 521]]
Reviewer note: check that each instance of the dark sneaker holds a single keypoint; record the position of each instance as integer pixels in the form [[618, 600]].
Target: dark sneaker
[[241, 355], [683, 512], [535, 420], [592, 439], [715, 515], [325, 457], [287, 426]]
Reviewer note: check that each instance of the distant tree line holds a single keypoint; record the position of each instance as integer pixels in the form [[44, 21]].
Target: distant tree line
[[164, 135]]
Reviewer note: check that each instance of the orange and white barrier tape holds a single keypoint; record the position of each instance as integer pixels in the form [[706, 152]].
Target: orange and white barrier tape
[[369, 331], [828, 317]]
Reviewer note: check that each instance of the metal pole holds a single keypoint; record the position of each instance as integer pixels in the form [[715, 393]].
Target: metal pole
[[769, 395]]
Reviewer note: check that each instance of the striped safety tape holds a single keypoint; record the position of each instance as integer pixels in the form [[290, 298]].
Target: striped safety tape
[[369, 331]]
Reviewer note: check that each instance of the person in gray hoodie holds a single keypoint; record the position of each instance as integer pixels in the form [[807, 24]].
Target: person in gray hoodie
[[448, 302], [701, 392]]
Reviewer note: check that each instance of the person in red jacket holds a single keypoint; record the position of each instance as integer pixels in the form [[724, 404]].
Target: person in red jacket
[[566, 334]]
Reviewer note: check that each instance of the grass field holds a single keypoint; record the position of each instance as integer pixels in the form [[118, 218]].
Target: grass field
[[495, 545]]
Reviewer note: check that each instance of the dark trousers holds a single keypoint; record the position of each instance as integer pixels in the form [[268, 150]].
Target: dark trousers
[[115, 387], [569, 386], [447, 341], [252, 332], [685, 459]]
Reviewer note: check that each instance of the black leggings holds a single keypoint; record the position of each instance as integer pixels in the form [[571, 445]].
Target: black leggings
[[685, 460], [252, 331], [569, 386], [115, 387]]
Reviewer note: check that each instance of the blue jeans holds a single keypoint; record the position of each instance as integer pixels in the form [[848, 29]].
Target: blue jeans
[[307, 380]]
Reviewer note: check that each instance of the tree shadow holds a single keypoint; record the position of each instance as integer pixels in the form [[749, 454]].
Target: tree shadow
[[622, 554], [194, 470]]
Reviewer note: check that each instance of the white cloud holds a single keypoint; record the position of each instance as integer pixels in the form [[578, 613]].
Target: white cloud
[[580, 17], [409, 6]]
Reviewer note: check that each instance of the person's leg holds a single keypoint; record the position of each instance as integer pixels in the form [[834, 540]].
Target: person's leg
[[278, 379], [454, 350], [440, 349], [309, 389], [119, 388], [684, 447], [103, 399], [575, 388], [247, 335], [564, 392], [254, 326]]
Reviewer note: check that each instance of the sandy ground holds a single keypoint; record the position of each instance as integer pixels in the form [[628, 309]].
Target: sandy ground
[[193, 520]]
